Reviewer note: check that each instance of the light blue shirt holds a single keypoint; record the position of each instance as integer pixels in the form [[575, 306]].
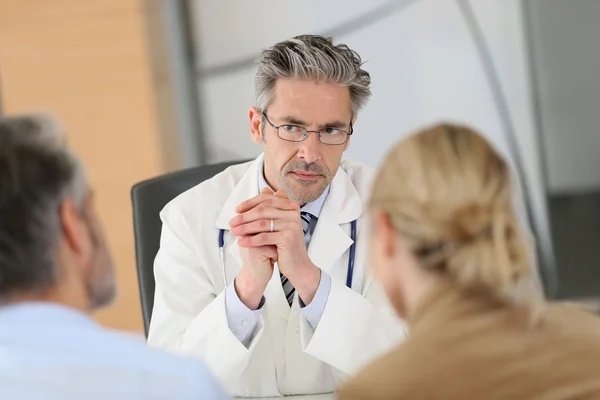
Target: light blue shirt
[[243, 321], [48, 351]]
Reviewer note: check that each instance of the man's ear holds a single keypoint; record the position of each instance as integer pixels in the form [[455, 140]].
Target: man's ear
[[255, 118], [384, 231], [73, 227]]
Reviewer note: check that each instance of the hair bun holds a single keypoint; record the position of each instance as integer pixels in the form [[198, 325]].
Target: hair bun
[[471, 220]]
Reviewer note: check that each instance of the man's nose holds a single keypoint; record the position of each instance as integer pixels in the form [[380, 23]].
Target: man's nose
[[310, 148]]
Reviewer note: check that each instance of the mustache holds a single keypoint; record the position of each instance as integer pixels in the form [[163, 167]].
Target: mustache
[[303, 165]]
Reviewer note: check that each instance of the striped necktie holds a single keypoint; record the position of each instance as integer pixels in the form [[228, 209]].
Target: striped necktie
[[308, 225]]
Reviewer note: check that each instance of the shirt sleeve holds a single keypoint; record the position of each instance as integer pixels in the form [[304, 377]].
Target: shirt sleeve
[[314, 311], [242, 320]]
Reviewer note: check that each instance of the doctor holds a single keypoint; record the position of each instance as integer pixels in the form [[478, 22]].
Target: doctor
[[273, 290]]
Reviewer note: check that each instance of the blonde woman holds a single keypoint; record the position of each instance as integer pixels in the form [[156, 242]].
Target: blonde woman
[[447, 248]]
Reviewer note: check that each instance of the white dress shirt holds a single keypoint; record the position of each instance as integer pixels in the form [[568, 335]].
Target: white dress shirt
[[244, 321], [49, 351]]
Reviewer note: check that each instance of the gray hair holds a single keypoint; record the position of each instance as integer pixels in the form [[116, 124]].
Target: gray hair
[[37, 173], [316, 58]]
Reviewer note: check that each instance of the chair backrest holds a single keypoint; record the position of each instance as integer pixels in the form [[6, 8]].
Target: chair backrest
[[148, 199]]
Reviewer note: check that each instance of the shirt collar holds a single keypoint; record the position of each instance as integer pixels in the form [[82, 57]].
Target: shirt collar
[[43, 313], [314, 207]]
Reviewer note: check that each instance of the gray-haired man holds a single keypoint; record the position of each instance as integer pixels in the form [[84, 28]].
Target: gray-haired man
[[291, 307], [55, 268]]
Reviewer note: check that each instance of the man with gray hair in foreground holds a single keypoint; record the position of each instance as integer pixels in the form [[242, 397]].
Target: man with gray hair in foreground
[[55, 269]]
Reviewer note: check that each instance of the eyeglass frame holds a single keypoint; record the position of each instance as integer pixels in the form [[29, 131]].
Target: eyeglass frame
[[307, 131]]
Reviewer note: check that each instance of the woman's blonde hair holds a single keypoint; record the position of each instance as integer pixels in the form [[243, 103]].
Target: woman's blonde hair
[[449, 194]]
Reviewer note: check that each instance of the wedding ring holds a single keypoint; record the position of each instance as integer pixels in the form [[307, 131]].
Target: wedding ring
[[272, 225]]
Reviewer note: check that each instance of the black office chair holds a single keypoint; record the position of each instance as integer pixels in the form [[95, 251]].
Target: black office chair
[[148, 199]]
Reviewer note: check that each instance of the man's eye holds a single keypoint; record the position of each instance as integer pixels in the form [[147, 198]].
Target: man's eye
[[332, 131], [292, 128]]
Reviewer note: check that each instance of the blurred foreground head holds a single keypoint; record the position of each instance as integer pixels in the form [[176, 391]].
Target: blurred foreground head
[[442, 206], [52, 247]]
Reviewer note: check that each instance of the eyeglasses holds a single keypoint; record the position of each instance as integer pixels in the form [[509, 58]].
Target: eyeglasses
[[296, 133]]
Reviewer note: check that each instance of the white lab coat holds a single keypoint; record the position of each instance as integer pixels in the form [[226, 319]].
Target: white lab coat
[[285, 355]]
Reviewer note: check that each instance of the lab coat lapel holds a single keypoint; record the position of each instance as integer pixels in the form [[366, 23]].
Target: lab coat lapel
[[329, 241], [331, 237], [246, 188]]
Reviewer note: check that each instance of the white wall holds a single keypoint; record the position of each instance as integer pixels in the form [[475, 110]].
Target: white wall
[[567, 69], [423, 63]]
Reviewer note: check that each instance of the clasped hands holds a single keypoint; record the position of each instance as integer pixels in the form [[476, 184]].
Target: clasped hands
[[261, 247]]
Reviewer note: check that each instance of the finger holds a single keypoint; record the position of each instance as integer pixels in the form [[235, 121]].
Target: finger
[[265, 252], [279, 200], [270, 252], [261, 225], [282, 203], [270, 203], [254, 201], [281, 193], [259, 213], [263, 194], [261, 239]]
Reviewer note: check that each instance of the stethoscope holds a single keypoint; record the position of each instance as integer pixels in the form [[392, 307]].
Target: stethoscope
[[349, 274]]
